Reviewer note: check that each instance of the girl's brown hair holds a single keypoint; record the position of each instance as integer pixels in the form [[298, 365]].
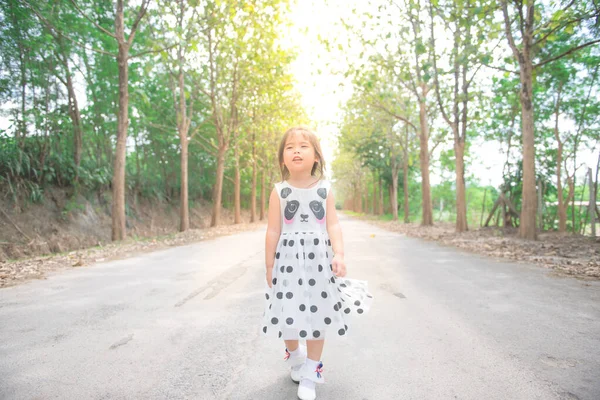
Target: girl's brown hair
[[313, 140]]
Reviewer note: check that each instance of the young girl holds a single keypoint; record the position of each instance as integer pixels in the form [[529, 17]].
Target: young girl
[[307, 296]]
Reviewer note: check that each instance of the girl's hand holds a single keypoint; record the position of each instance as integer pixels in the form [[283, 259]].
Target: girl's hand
[[339, 266], [270, 277]]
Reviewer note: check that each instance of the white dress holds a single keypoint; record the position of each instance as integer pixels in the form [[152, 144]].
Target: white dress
[[307, 301]]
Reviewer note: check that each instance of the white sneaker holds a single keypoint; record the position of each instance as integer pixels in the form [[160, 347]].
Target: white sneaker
[[316, 376], [305, 393], [296, 362]]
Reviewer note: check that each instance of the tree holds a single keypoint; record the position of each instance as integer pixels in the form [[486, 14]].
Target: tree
[[233, 38], [528, 27], [183, 87], [122, 57], [470, 28]]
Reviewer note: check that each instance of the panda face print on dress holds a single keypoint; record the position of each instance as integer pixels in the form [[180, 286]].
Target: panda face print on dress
[[291, 208], [317, 208]]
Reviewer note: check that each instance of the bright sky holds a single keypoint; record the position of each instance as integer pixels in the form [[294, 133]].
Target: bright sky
[[322, 94]]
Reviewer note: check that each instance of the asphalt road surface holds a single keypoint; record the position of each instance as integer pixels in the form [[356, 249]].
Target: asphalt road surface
[[184, 323]]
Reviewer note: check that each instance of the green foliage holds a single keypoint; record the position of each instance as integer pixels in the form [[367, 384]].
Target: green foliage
[[38, 55]]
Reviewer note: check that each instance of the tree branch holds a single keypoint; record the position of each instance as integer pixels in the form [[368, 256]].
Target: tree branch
[[197, 129], [551, 31], [435, 69], [482, 64], [152, 51], [508, 29], [398, 117], [229, 178], [521, 17], [141, 13], [168, 129], [574, 49], [92, 21], [501, 69], [549, 22], [58, 32], [435, 145], [206, 142]]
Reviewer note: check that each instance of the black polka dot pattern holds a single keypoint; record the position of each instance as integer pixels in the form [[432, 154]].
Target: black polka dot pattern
[[306, 301]]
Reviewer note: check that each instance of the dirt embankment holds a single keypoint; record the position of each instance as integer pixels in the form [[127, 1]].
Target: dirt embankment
[[64, 233], [568, 254]]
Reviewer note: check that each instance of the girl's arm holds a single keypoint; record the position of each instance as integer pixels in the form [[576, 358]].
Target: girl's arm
[[335, 235], [273, 233]]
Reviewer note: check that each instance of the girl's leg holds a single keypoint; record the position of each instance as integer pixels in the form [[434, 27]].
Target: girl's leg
[[291, 345], [315, 349]]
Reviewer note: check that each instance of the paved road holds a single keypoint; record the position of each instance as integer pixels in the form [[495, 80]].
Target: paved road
[[183, 324]]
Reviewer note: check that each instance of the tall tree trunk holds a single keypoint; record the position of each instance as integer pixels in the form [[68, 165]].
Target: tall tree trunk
[[184, 221], [218, 187], [562, 207], [375, 197], [405, 186], [427, 217], [237, 188], [253, 191], [263, 191], [394, 193], [592, 203], [183, 126], [461, 203], [21, 131], [118, 182], [395, 167], [391, 197], [75, 115], [381, 209], [527, 227]]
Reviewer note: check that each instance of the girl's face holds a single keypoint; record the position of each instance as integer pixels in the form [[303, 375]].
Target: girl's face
[[298, 154]]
